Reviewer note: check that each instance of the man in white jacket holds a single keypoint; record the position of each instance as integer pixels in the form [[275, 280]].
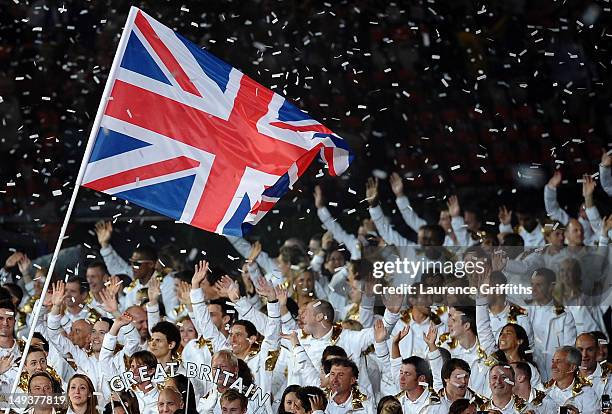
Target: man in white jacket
[[554, 326]]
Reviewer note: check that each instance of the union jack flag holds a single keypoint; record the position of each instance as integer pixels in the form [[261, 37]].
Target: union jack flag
[[188, 136]]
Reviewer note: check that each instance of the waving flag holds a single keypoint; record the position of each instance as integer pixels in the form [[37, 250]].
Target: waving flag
[[188, 136]]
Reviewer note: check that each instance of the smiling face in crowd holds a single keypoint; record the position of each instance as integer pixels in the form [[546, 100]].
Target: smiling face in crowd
[[100, 329], [96, 277], [188, 331]]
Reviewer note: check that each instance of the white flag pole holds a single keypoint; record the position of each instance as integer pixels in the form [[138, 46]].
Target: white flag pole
[[88, 149]]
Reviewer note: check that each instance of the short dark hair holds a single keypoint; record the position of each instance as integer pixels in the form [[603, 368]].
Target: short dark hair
[[437, 232], [107, 320], [598, 335], [40, 374], [171, 332], [100, 265], [83, 285], [548, 274], [224, 307], [329, 354], [147, 252], [146, 358], [45, 343], [468, 315], [389, 405], [512, 239], [458, 406], [453, 364], [498, 278], [250, 329], [8, 305], [35, 348], [347, 363], [326, 308], [311, 390], [233, 395], [523, 367], [184, 276], [333, 351], [15, 290], [292, 255], [421, 367]]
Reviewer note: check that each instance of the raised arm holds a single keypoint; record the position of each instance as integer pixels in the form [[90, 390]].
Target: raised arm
[[389, 235], [457, 222], [114, 263], [54, 328], [411, 218], [203, 321], [350, 242], [551, 204], [605, 171], [588, 188], [245, 249]]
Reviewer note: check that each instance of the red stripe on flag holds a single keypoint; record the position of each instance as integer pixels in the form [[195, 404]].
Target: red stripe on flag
[[329, 156], [303, 128], [165, 55], [237, 140], [143, 173], [263, 206]]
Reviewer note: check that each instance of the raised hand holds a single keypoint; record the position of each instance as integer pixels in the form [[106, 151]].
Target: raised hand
[[393, 303], [120, 321], [6, 362], [327, 241], [498, 260], [265, 289], [154, 290], [454, 208], [606, 158], [25, 265], [246, 280], [228, 288], [402, 334], [291, 337], [397, 184], [281, 295], [555, 180], [372, 191], [13, 259], [124, 319], [57, 297], [104, 231], [430, 337], [318, 197], [183, 293], [317, 403], [380, 332], [109, 300], [255, 251], [114, 285], [201, 269], [505, 215], [588, 188]]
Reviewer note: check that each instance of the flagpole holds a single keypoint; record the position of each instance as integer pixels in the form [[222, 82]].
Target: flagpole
[[88, 149]]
